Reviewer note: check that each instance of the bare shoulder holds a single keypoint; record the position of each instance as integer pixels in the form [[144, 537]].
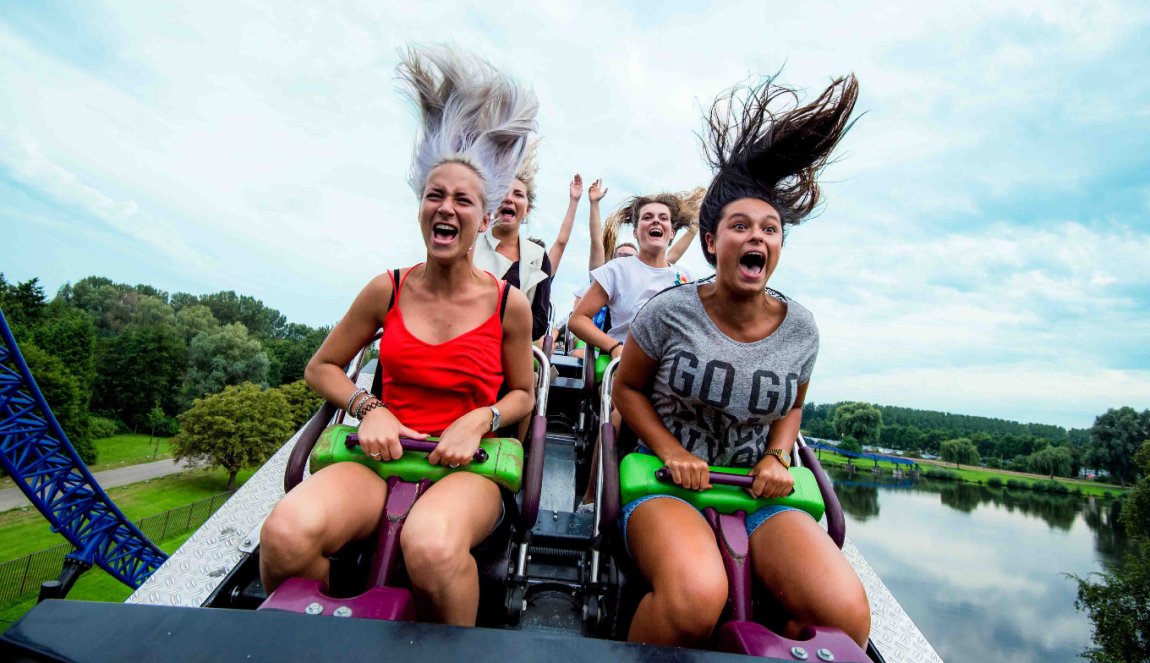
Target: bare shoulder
[[517, 304]]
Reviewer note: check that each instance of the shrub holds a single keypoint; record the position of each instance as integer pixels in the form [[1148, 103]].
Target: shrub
[[994, 482], [1014, 484], [103, 427], [939, 473]]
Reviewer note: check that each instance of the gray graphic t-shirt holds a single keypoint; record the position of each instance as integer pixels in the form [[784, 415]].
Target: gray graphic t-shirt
[[717, 396]]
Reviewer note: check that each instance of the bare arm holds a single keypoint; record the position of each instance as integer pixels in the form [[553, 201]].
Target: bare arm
[[458, 443], [555, 254], [683, 243], [582, 325], [379, 431], [325, 371], [633, 383], [597, 257]]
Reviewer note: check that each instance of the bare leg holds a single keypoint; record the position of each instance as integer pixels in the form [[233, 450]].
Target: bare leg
[[809, 576], [689, 583], [335, 506], [454, 515]]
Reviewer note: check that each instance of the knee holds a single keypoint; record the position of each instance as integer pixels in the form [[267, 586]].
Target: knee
[[854, 617], [694, 603], [431, 551], [291, 534]]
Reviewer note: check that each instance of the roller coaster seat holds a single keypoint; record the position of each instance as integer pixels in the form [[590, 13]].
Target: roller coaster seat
[[408, 477], [742, 629]]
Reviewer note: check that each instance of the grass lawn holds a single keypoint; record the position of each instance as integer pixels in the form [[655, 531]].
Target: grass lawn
[[120, 451], [24, 531], [129, 449], [94, 585], [981, 475]]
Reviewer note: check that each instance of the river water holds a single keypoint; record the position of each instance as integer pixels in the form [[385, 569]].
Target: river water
[[982, 570]]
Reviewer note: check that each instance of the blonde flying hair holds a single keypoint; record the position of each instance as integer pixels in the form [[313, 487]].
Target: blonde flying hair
[[470, 113]]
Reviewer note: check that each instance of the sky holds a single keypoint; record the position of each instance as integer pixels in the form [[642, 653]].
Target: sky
[[984, 247]]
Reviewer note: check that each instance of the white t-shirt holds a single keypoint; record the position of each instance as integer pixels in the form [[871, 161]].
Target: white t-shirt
[[629, 283]]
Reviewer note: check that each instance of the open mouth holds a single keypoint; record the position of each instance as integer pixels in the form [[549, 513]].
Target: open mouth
[[752, 264], [444, 233], [655, 232], [506, 214]]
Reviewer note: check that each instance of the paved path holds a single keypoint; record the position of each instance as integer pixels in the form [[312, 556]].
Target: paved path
[[11, 498]]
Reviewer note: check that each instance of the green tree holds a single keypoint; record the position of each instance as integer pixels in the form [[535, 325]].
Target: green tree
[[1114, 439], [848, 443], [1052, 461], [933, 439], [261, 321], [69, 334], [22, 303], [861, 421], [137, 368], [223, 357], [194, 320], [289, 355], [242, 426], [960, 451], [302, 402], [65, 395], [1119, 602]]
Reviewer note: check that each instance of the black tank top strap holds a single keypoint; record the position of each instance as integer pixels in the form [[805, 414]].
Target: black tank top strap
[[503, 301], [394, 288]]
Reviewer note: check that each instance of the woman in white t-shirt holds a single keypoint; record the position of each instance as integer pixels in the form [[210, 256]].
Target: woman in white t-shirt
[[625, 284]]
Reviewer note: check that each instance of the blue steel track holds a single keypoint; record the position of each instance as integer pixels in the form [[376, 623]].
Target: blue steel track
[[36, 453]]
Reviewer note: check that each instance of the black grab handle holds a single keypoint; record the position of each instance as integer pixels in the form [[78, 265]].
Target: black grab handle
[[424, 446]]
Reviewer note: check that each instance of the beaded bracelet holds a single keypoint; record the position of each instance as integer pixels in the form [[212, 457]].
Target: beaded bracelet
[[375, 403], [351, 401], [357, 411]]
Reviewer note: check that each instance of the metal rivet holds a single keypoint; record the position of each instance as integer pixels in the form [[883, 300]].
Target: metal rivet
[[247, 542], [799, 653], [342, 611], [314, 609], [825, 654]]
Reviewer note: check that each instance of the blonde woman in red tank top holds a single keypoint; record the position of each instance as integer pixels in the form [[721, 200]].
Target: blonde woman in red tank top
[[443, 309]]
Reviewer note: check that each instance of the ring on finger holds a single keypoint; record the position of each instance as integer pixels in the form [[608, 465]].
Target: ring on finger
[[376, 455], [453, 465]]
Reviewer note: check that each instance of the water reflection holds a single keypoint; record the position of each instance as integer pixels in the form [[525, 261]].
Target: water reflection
[[981, 569]]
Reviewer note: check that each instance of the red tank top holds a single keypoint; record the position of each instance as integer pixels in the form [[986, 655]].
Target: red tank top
[[428, 386]]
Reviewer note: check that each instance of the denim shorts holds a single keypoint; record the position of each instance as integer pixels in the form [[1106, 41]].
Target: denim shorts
[[755, 519]]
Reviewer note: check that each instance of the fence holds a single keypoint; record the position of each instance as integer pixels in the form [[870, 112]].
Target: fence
[[23, 575]]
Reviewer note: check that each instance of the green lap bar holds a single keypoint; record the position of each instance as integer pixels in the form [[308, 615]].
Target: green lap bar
[[637, 479], [504, 464]]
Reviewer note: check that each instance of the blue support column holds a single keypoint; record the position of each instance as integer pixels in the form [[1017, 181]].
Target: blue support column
[[36, 453]]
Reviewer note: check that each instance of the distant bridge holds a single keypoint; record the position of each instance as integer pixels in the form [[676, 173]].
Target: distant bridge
[[822, 446]]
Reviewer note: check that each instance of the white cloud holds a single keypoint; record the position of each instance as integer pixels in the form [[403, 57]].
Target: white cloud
[[267, 152]]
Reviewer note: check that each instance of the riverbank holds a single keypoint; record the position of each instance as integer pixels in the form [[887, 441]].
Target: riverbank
[[982, 475]]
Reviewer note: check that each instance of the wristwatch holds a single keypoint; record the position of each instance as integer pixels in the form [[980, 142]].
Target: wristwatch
[[783, 456], [495, 417]]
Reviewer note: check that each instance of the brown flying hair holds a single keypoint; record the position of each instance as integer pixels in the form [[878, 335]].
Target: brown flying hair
[[762, 144]]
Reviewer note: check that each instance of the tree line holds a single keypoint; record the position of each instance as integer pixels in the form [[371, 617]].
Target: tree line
[[112, 357], [1110, 444]]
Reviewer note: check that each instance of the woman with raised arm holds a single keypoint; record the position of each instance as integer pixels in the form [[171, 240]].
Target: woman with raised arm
[[452, 334], [623, 285], [715, 373]]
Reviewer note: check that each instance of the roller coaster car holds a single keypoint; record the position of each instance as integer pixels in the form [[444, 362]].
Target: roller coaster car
[[743, 628]]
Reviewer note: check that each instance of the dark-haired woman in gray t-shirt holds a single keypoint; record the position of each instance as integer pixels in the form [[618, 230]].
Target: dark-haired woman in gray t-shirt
[[716, 373]]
